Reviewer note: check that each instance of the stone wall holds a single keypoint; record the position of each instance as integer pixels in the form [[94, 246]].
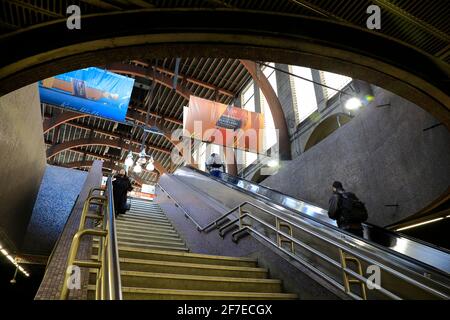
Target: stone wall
[[383, 155]]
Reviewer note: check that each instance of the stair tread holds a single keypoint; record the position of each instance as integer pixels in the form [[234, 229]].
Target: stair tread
[[149, 241], [192, 265], [194, 277], [145, 228], [146, 247], [205, 293], [143, 222], [190, 254], [149, 234]]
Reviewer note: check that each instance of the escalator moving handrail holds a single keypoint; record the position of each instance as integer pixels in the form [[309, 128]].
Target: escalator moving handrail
[[332, 243], [265, 200]]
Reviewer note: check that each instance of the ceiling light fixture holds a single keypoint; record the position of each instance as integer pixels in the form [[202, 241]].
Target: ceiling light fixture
[[13, 261], [353, 104], [129, 160], [150, 166], [137, 168]]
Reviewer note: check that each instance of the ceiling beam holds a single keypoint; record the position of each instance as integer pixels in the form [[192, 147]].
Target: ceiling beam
[[34, 8], [139, 118], [106, 165], [166, 81], [188, 79], [116, 143], [275, 107], [102, 4], [61, 118], [99, 157], [67, 116]]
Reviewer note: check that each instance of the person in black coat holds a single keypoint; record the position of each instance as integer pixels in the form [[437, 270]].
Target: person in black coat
[[121, 186]]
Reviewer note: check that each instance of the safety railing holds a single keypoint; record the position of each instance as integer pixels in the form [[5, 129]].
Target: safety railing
[[108, 284], [186, 213], [346, 254]]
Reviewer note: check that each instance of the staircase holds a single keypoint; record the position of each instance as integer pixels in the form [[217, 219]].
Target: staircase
[[156, 264]]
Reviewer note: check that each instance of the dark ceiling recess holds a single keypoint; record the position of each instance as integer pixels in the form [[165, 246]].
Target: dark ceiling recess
[[114, 153], [124, 129]]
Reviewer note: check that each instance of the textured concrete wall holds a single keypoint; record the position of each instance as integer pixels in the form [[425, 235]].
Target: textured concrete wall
[[57, 195], [383, 155], [22, 161], [52, 283]]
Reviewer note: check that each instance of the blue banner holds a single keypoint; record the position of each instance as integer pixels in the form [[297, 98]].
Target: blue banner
[[90, 90]]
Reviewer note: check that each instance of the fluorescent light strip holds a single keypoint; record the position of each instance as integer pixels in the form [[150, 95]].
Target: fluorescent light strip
[[10, 258], [420, 224]]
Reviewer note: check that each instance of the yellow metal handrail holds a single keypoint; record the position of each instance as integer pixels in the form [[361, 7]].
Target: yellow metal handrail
[[107, 285], [346, 277]]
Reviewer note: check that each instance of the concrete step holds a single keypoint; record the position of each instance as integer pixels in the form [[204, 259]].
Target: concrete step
[[148, 234], [143, 227], [141, 219], [158, 246], [140, 242], [191, 268], [139, 248], [143, 216], [146, 230], [170, 294], [145, 211], [161, 255], [155, 237], [146, 223], [139, 279]]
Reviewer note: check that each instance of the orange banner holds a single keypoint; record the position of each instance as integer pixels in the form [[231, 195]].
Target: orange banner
[[224, 125]]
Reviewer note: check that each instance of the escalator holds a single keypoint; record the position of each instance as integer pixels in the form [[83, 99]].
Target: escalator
[[301, 231]]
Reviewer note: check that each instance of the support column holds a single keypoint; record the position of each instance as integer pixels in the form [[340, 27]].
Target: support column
[[274, 105]]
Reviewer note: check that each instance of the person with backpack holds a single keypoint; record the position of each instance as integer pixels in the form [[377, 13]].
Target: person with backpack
[[348, 211]]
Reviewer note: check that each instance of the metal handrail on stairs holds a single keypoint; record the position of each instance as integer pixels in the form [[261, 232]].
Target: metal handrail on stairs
[[188, 215], [108, 283], [346, 254]]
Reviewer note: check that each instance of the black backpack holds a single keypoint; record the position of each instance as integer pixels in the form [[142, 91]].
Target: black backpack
[[352, 209]]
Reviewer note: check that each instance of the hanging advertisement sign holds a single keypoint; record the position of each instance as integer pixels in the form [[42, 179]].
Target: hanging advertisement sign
[[224, 125], [90, 90], [147, 192]]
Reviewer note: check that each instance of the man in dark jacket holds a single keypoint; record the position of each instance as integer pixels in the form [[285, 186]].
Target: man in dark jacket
[[121, 186], [335, 211]]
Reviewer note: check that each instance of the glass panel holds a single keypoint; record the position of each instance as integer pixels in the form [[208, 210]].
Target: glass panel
[[303, 92], [335, 81]]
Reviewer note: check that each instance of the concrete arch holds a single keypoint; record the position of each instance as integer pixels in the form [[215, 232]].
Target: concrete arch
[[325, 128], [54, 150], [313, 42]]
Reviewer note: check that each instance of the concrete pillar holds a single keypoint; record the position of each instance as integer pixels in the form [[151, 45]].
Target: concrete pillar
[[22, 162]]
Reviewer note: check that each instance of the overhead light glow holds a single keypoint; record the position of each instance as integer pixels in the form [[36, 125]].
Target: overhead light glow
[[129, 160], [420, 224], [13, 261], [150, 166], [137, 168], [353, 104], [272, 163]]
